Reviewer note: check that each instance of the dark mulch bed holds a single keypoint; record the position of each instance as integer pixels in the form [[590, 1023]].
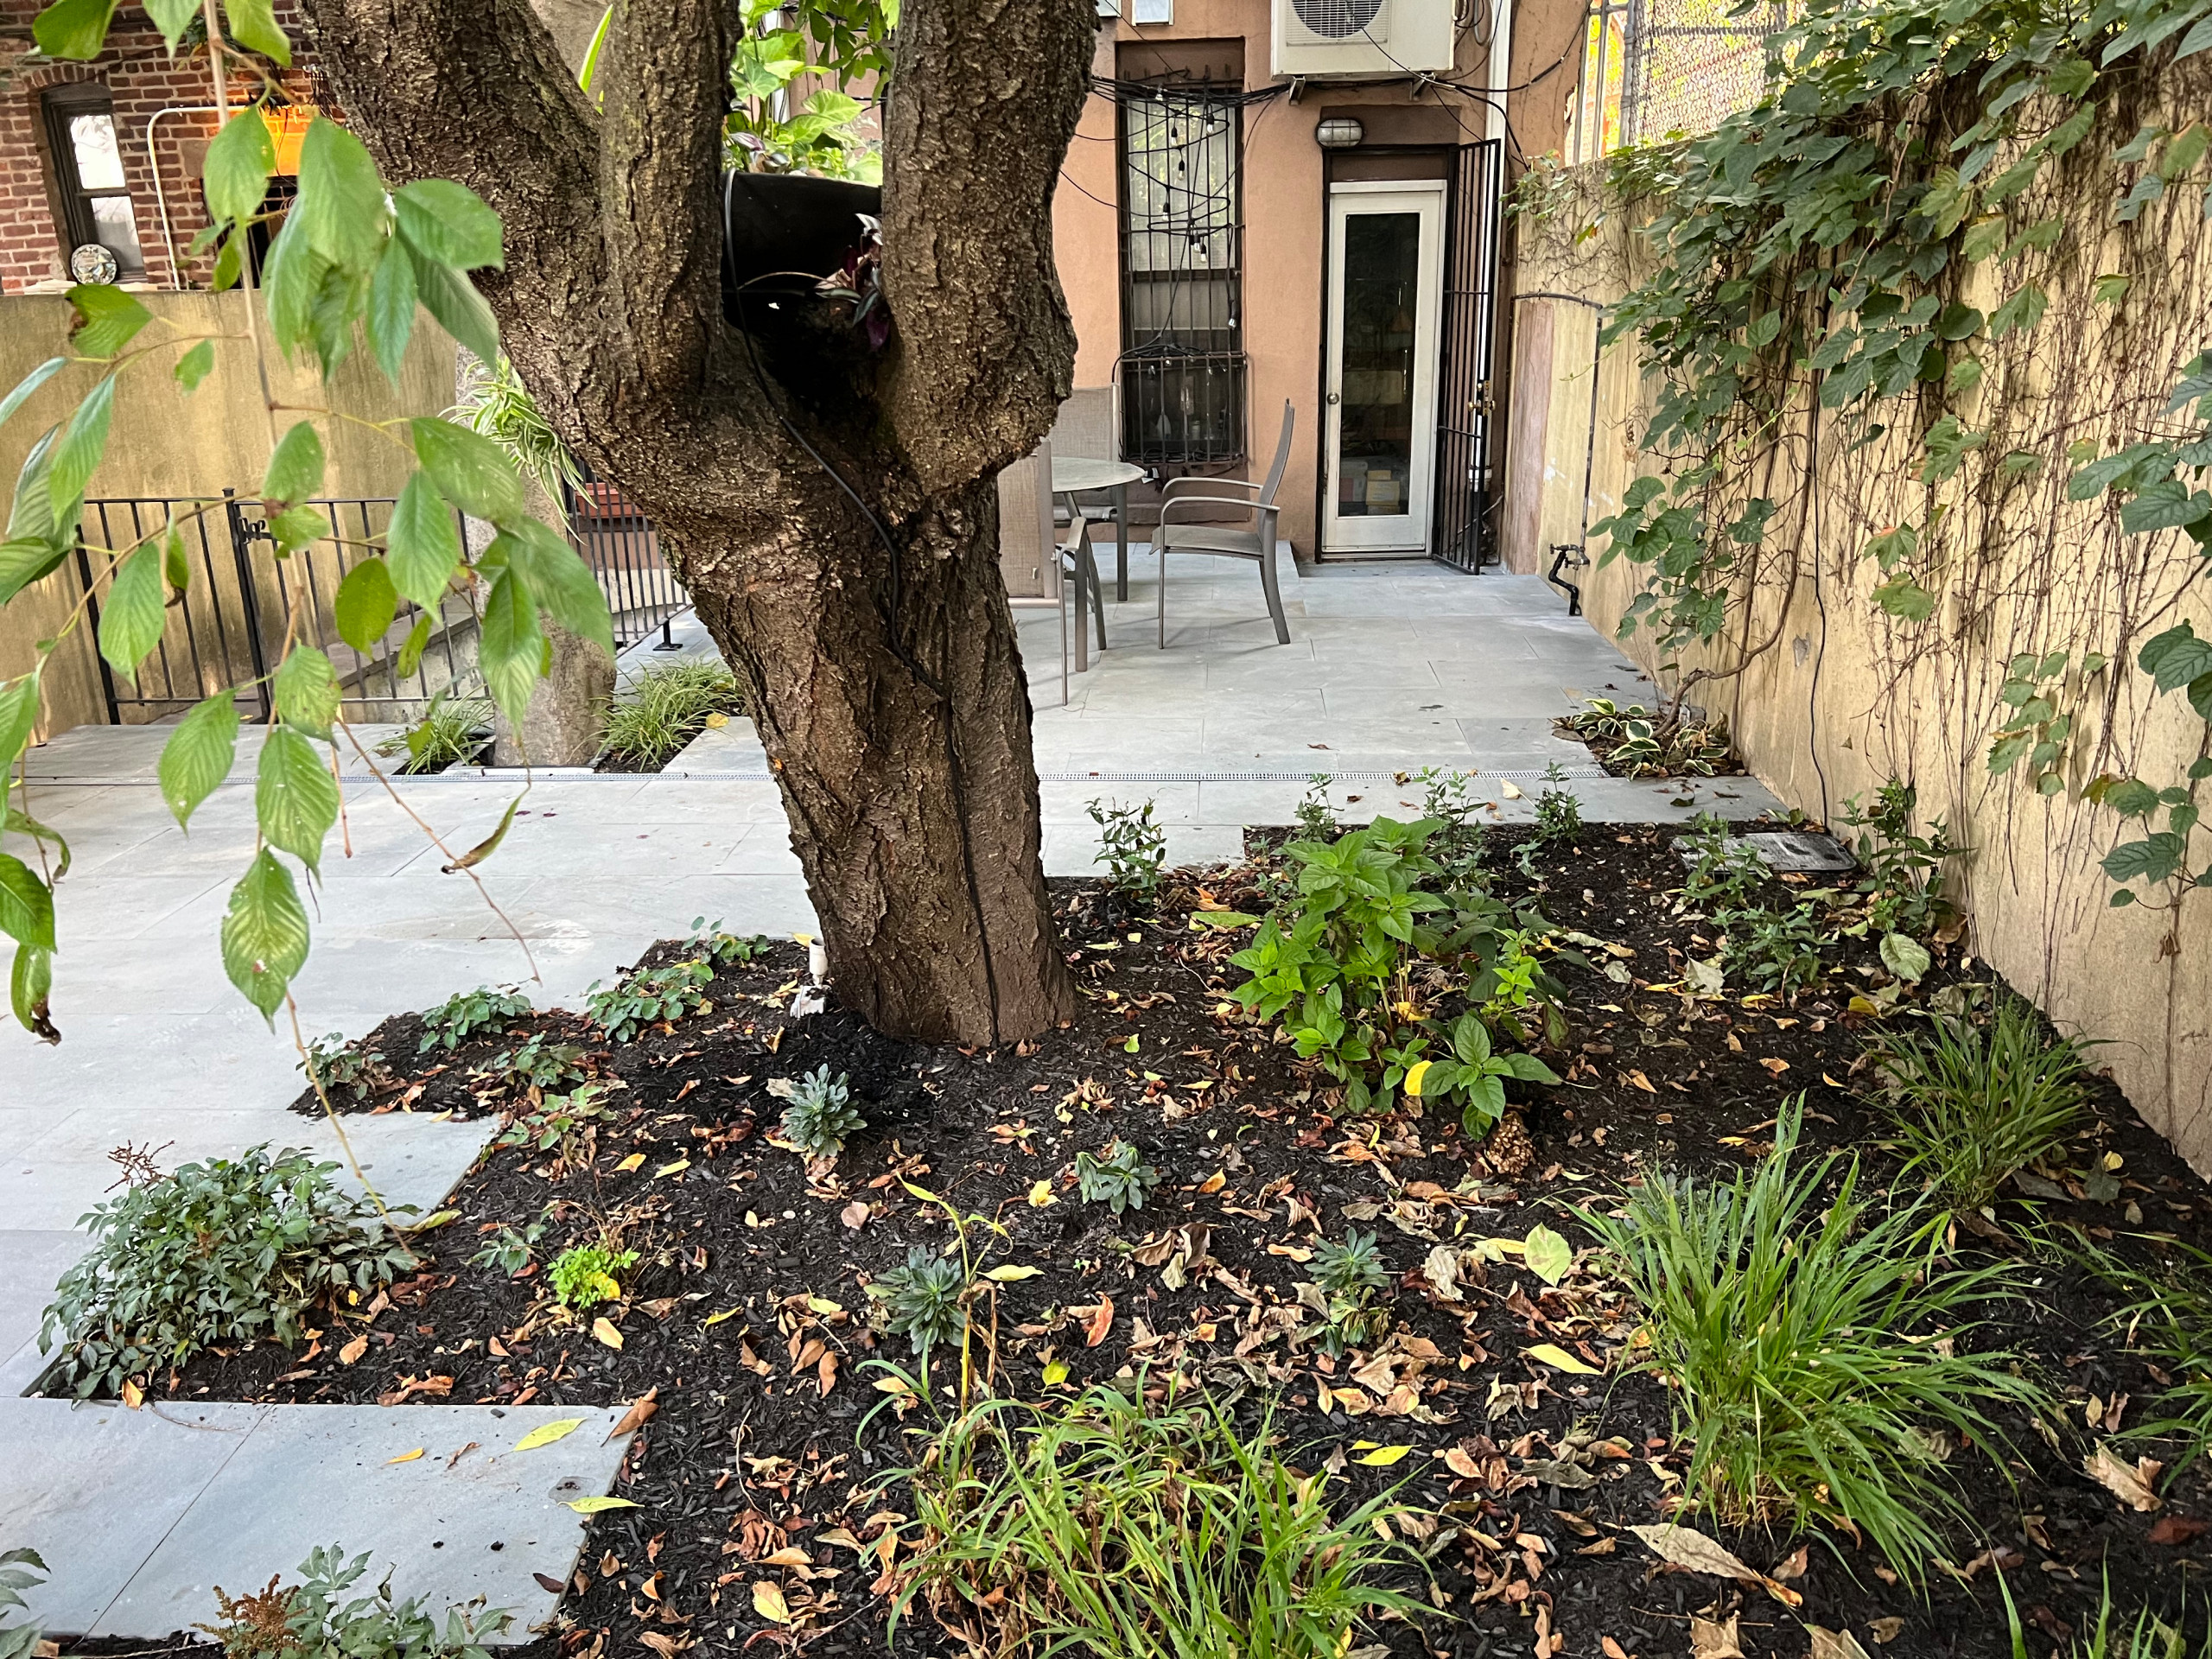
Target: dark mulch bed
[[749, 1316]]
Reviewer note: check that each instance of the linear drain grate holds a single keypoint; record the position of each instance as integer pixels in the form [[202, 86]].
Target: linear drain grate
[[577, 775]]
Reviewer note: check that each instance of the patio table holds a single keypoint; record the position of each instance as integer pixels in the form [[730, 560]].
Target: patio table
[[1074, 475]]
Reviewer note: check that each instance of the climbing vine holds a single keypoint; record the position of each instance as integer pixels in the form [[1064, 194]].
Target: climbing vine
[[1848, 307]]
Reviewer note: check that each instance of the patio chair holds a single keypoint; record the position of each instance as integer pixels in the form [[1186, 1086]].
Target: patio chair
[[1068, 558], [1088, 425], [1227, 541]]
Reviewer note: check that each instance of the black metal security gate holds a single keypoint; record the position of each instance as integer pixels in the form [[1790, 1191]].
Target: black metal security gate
[[1460, 533], [228, 624], [623, 549]]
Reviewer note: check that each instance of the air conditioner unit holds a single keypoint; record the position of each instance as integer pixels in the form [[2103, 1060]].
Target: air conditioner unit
[[1362, 37]]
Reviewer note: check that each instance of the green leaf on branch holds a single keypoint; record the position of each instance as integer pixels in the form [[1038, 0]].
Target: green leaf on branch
[[252, 24], [26, 904], [29, 383], [296, 527], [423, 543], [22, 824], [2176, 657], [449, 223], [132, 619], [1901, 597], [469, 469], [559, 582], [240, 159], [73, 28], [30, 983], [390, 318], [366, 605], [341, 209], [294, 467], [265, 934], [18, 715], [511, 651], [295, 797], [107, 318], [198, 755], [1905, 957], [194, 367], [83, 442], [306, 691], [449, 296], [2155, 858], [172, 17], [412, 647]]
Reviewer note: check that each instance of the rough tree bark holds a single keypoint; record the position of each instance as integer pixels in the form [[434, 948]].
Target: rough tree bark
[[875, 643]]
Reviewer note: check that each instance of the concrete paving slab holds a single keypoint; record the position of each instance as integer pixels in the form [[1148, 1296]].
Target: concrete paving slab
[[31, 1264], [95, 1489], [469, 1517]]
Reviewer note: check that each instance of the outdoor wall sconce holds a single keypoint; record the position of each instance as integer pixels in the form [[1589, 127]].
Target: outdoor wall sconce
[[1339, 132]]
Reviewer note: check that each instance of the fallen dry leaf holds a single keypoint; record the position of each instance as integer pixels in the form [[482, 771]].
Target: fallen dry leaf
[[1101, 1322], [2132, 1486], [768, 1602], [1712, 1641], [1835, 1644], [1793, 1567], [1686, 1547], [2178, 1530], [603, 1329], [353, 1349], [855, 1214], [640, 1411], [1637, 1080], [406, 1457], [1887, 1631]]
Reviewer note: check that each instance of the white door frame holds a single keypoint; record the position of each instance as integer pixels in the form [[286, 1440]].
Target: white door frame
[[1405, 532]]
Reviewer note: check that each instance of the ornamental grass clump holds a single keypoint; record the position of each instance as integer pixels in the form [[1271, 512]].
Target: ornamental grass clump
[[232, 1250], [1110, 1528], [1818, 1357]]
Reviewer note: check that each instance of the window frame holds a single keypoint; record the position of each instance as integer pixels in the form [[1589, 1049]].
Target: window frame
[[60, 105]]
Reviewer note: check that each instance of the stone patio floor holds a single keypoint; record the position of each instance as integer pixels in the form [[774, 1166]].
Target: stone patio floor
[[1390, 669]]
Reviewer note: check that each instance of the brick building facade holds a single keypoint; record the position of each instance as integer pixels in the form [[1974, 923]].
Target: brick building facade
[[63, 173]]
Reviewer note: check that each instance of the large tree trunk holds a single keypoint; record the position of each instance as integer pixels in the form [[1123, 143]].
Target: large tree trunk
[[876, 641], [898, 729]]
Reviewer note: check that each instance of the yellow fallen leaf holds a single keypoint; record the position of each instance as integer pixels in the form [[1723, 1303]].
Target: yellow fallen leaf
[[768, 1602], [1055, 1374], [546, 1433], [603, 1328], [406, 1457], [133, 1395], [1383, 1456], [1040, 1194], [593, 1505], [353, 1349], [1414, 1076], [716, 720], [1214, 1182], [635, 1161], [893, 1385], [1012, 1275], [677, 1167], [714, 1320], [1559, 1359]]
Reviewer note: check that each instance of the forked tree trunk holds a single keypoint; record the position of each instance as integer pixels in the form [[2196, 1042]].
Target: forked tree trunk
[[877, 645], [899, 731]]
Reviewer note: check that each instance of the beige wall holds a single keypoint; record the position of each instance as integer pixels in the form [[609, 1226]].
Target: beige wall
[[1849, 696], [1283, 219], [166, 442]]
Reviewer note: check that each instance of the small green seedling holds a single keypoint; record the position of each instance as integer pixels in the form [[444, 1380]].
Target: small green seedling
[[1120, 1179]]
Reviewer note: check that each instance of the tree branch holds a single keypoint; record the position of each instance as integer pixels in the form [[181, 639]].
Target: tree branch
[[983, 101]]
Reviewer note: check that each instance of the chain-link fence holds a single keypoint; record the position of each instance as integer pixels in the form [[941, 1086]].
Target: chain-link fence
[[1659, 69]]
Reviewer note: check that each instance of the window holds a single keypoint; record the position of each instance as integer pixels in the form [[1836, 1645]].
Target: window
[[1182, 279], [88, 173]]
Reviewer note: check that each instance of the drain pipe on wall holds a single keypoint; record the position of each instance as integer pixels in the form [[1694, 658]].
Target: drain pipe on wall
[[1561, 550], [161, 197]]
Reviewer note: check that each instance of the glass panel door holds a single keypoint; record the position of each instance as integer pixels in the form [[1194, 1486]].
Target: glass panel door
[[1380, 434]]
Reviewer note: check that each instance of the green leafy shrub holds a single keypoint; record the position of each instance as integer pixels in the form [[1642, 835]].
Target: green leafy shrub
[[1722, 876], [1775, 949], [463, 1014], [1316, 817], [821, 1116], [584, 1275], [337, 1066], [1448, 802], [1971, 1103], [20, 1570], [1468, 1070], [1344, 1278], [539, 1064], [925, 1301], [1559, 811], [453, 732], [509, 1251], [230, 1251], [1132, 848], [1120, 1179], [317, 1619], [710, 943], [565, 1125], [647, 996], [1902, 871], [1798, 1331], [1108, 1527], [666, 706]]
